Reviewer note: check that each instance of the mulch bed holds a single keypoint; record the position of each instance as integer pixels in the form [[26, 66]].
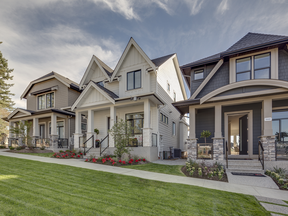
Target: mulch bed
[[30, 151], [195, 175], [117, 163], [276, 182]]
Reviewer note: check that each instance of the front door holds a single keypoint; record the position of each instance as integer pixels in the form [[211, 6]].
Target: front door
[[243, 135]]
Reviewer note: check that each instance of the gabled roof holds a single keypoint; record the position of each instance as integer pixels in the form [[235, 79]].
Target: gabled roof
[[69, 83], [132, 42], [249, 42], [110, 93], [26, 112], [106, 70]]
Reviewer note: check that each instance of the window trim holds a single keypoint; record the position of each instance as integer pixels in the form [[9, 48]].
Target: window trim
[[164, 119], [60, 120], [168, 87], [173, 131], [250, 59], [134, 79], [263, 67], [198, 71], [45, 96], [174, 96]]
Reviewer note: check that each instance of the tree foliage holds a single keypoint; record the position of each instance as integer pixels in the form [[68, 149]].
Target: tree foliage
[[121, 132], [22, 131], [5, 75], [205, 134]]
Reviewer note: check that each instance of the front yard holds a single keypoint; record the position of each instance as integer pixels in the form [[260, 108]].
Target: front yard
[[36, 188]]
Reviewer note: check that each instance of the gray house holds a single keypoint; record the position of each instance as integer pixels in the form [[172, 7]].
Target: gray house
[[240, 96], [49, 99]]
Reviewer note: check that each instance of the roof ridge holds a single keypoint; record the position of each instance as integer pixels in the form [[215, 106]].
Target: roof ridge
[[57, 74], [105, 66]]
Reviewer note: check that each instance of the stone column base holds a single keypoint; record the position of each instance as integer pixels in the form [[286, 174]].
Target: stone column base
[[268, 143], [147, 142], [34, 140], [111, 141], [191, 146], [218, 148], [54, 142], [91, 142], [76, 140], [9, 142]]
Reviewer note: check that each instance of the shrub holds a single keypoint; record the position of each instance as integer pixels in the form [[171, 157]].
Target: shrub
[[11, 148], [200, 171], [2, 146], [18, 148], [42, 148], [280, 171]]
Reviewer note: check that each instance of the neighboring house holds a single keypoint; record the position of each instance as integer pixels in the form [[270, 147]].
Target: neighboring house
[[49, 100], [139, 90], [240, 95]]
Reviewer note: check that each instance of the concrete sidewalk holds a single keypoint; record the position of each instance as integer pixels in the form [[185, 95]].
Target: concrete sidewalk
[[229, 187]]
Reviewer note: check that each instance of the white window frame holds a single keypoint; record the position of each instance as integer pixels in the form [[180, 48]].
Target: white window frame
[[173, 128], [197, 72], [37, 100]]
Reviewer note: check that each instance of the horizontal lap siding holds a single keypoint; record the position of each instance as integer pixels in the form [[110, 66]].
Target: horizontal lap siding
[[256, 107], [283, 65], [205, 120]]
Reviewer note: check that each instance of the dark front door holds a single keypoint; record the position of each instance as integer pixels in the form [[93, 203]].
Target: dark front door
[[243, 135]]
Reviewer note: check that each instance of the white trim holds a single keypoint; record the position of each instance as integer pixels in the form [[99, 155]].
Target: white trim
[[42, 123], [64, 120], [206, 80], [90, 85], [16, 111], [179, 75], [37, 107], [138, 48], [93, 59], [41, 80]]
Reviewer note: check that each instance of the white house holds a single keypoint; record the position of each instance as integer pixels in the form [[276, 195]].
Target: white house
[[139, 90]]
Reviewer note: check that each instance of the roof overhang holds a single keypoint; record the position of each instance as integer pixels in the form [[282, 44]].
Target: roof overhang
[[183, 106], [151, 96]]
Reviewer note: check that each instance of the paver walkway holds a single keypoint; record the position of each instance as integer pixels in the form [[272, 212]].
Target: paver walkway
[[273, 205], [236, 188]]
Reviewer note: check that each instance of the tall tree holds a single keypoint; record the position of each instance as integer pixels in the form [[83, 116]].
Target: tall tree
[[5, 75]]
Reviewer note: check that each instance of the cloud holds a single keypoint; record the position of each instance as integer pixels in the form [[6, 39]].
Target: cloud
[[194, 5], [222, 7]]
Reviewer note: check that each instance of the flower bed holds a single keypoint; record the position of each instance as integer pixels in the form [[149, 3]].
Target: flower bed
[[68, 154], [278, 178], [112, 161], [205, 171]]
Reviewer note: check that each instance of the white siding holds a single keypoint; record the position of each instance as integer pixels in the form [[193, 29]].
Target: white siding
[[95, 74], [113, 86], [93, 96]]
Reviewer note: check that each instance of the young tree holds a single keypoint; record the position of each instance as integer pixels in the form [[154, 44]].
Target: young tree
[[5, 75], [205, 134], [22, 131], [121, 132]]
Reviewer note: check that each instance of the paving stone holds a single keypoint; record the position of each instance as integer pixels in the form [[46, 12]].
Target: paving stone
[[273, 214], [275, 208], [271, 200]]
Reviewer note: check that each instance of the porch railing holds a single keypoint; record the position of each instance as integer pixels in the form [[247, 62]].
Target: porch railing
[[101, 142], [226, 154], [84, 144], [261, 153], [63, 143], [42, 142]]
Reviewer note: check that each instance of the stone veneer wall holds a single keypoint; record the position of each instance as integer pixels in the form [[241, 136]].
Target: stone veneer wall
[[218, 149], [268, 143], [191, 146]]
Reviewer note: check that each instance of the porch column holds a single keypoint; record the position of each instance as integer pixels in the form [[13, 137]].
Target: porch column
[[20, 139], [90, 128], [10, 133], [54, 136], [112, 122], [218, 138], [191, 142], [78, 131], [267, 138], [146, 126], [35, 134]]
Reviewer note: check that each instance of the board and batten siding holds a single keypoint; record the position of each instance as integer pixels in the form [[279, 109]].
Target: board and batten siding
[[60, 97], [95, 74], [113, 86]]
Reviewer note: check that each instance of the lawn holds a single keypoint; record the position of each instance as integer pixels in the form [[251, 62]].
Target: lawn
[[159, 168], [39, 154], [36, 188]]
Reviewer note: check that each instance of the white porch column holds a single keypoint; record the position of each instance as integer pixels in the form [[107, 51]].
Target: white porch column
[[35, 127], [15, 125], [191, 142], [10, 134], [54, 136], [90, 128], [146, 127], [268, 139], [112, 122], [78, 131], [218, 138], [192, 122], [20, 139]]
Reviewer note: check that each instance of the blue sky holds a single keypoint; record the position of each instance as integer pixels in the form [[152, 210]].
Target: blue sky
[[50, 35]]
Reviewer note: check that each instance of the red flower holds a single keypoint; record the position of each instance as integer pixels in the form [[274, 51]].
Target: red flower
[[109, 158], [136, 160], [70, 151], [78, 156], [81, 153], [130, 162], [86, 160], [144, 159], [72, 156], [113, 163], [139, 159], [73, 153], [58, 156], [103, 160], [123, 162], [94, 160], [131, 159], [120, 161], [66, 155]]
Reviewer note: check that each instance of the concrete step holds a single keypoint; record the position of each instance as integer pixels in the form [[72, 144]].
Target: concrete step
[[258, 167], [243, 162], [241, 170]]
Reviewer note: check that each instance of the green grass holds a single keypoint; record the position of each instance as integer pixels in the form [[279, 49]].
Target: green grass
[[39, 154], [35, 188], [159, 168]]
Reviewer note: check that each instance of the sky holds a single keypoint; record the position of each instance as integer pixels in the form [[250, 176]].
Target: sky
[[40, 36]]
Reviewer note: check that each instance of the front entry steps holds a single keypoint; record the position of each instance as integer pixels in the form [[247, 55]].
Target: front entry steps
[[93, 152], [245, 166]]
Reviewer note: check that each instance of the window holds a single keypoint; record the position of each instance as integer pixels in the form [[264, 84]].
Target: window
[[174, 97], [164, 118], [243, 69], [168, 87], [173, 128], [134, 80], [59, 129], [46, 101], [83, 126], [199, 74], [262, 66], [136, 122]]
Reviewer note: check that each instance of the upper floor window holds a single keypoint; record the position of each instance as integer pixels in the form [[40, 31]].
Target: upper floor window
[[199, 74], [243, 69], [168, 87], [134, 80], [262, 66], [46, 101], [164, 118]]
